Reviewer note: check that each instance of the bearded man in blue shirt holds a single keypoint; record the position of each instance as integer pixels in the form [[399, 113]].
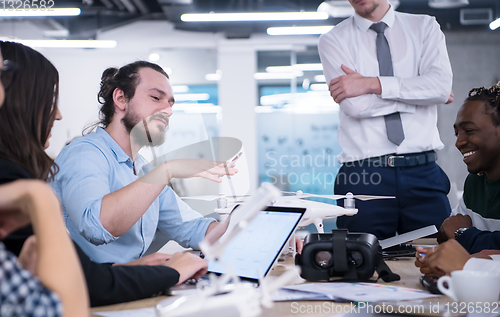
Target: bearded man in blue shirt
[[110, 212]]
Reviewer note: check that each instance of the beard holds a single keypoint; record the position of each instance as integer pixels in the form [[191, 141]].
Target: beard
[[143, 132], [369, 11]]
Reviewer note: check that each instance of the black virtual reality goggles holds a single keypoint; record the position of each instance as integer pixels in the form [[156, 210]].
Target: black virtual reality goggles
[[342, 256]]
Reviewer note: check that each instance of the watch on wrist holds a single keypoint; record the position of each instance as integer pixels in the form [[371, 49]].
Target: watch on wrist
[[459, 232]]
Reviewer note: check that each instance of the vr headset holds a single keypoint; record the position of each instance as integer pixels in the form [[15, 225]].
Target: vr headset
[[342, 256]]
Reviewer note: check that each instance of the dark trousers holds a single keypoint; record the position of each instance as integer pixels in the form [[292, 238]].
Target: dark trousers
[[420, 201]]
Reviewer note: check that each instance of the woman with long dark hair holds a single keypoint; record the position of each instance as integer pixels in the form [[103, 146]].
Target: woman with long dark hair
[[50, 274], [29, 112], [26, 126], [25, 123]]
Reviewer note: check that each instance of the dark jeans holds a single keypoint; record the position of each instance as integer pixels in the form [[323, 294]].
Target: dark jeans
[[420, 201]]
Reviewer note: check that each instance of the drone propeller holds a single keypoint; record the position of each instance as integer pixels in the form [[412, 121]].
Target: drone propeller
[[293, 193], [368, 197], [300, 194], [360, 197]]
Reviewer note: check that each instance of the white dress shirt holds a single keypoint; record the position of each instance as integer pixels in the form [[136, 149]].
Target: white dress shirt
[[478, 221], [483, 265], [422, 79]]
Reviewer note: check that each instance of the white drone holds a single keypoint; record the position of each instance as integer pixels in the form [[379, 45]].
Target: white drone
[[315, 213]]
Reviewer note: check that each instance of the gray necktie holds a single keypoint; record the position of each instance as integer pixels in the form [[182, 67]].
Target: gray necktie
[[393, 123]]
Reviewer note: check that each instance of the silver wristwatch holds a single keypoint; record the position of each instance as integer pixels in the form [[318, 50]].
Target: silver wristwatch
[[459, 232]]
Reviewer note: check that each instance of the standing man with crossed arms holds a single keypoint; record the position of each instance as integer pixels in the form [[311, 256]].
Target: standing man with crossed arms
[[388, 70]]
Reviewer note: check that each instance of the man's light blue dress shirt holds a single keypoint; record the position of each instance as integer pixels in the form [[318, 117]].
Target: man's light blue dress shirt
[[94, 166]]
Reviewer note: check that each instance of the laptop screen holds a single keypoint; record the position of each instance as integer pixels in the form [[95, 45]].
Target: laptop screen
[[255, 249]]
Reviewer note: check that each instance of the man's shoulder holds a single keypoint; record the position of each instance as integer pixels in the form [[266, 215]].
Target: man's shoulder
[[344, 24], [482, 196], [85, 145], [474, 188], [473, 180], [420, 19], [339, 29]]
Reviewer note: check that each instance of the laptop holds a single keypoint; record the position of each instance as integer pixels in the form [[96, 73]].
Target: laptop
[[254, 251]]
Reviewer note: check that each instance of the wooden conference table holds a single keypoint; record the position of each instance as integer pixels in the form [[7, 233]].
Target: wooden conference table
[[403, 266]]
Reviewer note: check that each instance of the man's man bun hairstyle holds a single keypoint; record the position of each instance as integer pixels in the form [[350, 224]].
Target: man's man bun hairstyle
[[126, 79], [105, 96]]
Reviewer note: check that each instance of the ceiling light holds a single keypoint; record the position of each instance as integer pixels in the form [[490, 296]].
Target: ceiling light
[[336, 9], [197, 108], [154, 57], [495, 24], [62, 33], [308, 102], [309, 67], [180, 88], [68, 43], [167, 70], [32, 12], [320, 78], [299, 30], [264, 76], [186, 2], [447, 4], [319, 87], [214, 76], [303, 67], [343, 9], [253, 16], [192, 97], [279, 69], [285, 69]]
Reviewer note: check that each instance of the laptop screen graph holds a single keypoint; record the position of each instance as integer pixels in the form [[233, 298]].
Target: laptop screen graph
[[256, 248]]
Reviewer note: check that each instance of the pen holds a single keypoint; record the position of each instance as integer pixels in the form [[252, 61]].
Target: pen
[[236, 157], [232, 163], [423, 254]]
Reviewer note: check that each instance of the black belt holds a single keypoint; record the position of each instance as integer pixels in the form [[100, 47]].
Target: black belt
[[402, 160]]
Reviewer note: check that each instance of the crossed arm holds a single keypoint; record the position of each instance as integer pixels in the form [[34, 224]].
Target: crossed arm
[[353, 84], [364, 96]]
